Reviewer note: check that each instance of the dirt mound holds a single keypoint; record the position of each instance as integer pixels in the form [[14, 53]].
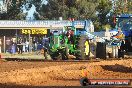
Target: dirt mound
[[68, 74]]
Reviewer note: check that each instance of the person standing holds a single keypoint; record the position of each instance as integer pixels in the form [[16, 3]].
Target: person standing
[[13, 48], [27, 46], [20, 46]]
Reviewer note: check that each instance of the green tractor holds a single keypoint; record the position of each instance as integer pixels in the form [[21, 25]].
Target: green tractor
[[69, 44]]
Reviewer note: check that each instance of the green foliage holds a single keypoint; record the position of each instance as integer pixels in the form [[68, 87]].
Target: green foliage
[[73, 12], [3, 16], [97, 27], [52, 10], [78, 9], [129, 6], [20, 16], [103, 9], [123, 6], [14, 11], [86, 9]]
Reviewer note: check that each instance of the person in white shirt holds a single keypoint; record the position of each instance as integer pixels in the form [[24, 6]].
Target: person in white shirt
[[27, 46]]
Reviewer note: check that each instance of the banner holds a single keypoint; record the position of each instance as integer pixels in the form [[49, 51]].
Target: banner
[[34, 31]]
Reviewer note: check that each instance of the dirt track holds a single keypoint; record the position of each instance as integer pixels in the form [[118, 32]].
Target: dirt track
[[61, 73]]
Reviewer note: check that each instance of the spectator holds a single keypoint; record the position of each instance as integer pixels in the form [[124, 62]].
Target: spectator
[[27, 46], [13, 48], [20, 46]]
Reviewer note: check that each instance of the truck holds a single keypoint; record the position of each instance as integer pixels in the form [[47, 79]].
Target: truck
[[124, 21]]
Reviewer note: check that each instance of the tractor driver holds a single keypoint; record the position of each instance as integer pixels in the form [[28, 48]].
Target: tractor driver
[[119, 35], [70, 35]]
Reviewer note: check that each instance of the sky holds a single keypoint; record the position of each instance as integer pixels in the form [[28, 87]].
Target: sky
[[1, 2], [44, 2], [31, 11]]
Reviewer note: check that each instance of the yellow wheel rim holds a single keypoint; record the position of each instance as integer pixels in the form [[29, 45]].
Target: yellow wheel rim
[[86, 48]]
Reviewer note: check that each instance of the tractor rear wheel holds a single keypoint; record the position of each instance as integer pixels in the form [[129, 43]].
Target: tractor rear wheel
[[60, 54], [84, 48]]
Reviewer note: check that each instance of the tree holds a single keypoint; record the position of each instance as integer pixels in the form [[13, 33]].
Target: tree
[[78, 9], [123, 7], [73, 12], [129, 6], [86, 8], [3, 16], [103, 9], [14, 10]]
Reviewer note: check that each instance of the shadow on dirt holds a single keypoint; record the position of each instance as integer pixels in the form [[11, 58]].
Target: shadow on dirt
[[11, 85], [64, 79], [45, 60], [16, 59], [117, 68]]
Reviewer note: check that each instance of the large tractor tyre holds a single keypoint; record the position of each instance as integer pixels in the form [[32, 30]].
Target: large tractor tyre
[[59, 55], [128, 44], [84, 81], [120, 53], [54, 55], [84, 47]]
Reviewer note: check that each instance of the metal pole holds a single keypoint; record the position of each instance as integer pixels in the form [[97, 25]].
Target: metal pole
[[16, 36], [113, 51], [4, 44], [29, 43]]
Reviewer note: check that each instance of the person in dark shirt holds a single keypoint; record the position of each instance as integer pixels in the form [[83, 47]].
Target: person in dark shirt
[[20, 46]]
